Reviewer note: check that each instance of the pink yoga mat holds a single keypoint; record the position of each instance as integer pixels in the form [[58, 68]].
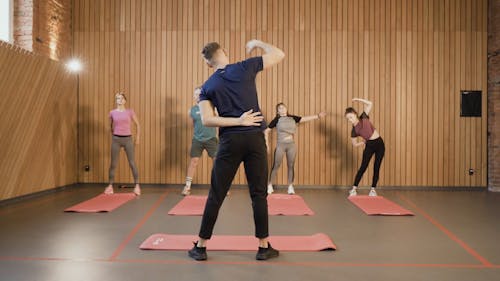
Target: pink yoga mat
[[102, 203], [378, 205], [312, 243], [278, 204], [189, 206], [287, 205]]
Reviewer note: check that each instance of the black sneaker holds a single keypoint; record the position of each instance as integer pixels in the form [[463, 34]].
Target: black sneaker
[[198, 253], [267, 253]]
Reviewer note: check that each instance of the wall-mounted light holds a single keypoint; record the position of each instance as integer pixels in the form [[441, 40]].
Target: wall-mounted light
[[74, 65]]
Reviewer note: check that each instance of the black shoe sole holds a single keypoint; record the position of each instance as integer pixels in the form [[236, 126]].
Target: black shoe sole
[[266, 257], [198, 258]]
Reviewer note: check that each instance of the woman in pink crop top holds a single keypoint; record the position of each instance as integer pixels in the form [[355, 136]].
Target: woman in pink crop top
[[121, 119], [374, 144]]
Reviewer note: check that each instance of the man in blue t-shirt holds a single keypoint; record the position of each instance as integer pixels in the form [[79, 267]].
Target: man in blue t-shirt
[[232, 91], [204, 138]]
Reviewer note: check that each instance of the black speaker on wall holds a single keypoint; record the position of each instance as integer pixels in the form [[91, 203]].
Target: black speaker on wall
[[470, 103]]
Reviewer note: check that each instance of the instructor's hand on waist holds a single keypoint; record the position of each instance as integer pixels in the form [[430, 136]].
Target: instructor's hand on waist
[[251, 118]]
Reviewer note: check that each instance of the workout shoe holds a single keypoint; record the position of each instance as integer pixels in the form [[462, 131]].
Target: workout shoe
[[291, 190], [137, 190], [108, 190], [372, 192], [353, 192], [266, 253], [186, 190], [270, 189], [198, 253]]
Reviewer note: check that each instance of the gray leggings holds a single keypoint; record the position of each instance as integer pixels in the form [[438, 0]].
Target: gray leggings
[[281, 149], [116, 144]]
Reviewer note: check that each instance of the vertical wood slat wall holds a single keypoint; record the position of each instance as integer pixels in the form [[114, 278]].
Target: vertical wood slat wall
[[410, 57], [38, 128]]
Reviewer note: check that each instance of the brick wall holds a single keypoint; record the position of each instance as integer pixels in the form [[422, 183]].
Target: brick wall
[[494, 95], [44, 27], [52, 32]]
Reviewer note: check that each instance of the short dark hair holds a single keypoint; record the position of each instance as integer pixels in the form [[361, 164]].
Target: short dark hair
[[210, 49], [350, 110]]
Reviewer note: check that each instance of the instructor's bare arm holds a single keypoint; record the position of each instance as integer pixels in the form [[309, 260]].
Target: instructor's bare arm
[[209, 117], [272, 55]]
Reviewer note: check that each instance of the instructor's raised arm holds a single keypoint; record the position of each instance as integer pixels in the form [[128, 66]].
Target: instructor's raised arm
[[272, 55]]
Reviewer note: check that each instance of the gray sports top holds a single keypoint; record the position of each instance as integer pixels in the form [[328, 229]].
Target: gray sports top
[[286, 126]]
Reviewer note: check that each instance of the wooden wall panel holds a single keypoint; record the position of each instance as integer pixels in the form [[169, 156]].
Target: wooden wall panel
[[38, 129], [411, 57]]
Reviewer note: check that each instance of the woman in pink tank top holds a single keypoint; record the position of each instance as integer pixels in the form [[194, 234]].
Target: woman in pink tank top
[[121, 119], [374, 145]]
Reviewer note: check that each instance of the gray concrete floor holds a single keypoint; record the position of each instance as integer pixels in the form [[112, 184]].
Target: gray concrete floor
[[453, 236]]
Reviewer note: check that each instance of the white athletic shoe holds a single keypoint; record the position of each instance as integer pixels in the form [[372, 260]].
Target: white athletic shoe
[[137, 190], [372, 193], [353, 192], [270, 189], [186, 190], [291, 190], [108, 190]]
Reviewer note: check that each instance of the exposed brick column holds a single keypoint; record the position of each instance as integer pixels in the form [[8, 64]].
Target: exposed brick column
[[44, 27], [23, 24], [494, 95], [52, 28]]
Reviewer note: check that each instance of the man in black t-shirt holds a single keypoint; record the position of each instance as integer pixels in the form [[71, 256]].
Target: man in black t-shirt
[[232, 91]]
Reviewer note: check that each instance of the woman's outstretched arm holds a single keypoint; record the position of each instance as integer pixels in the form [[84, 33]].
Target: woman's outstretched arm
[[312, 117]]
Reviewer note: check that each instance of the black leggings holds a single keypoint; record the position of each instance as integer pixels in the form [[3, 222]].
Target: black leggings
[[376, 147], [249, 148]]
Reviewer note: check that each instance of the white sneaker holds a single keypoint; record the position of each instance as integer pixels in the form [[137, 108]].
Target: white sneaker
[[137, 189], [372, 192], [186, 191], [291, 190], [108, 190], [270, 189], [353, 192]]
